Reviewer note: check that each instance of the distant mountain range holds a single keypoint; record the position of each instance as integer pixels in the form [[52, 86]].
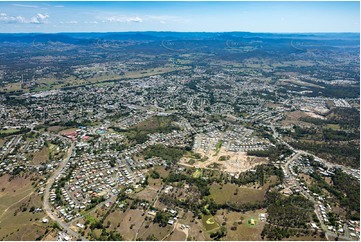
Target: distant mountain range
[[82, 38]]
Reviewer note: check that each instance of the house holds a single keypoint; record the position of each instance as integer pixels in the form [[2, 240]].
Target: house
[[314, 226], [173, 212], [80, 225]]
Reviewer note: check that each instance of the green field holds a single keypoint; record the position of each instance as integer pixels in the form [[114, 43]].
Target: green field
[[209, 223], [139, 132], [197, 173], [156, 124], [333, 126], [235, 194], [8, 131], [218, 147], [243, 231]]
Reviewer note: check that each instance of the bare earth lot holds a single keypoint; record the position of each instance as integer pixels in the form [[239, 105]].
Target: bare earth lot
[[237, 162]]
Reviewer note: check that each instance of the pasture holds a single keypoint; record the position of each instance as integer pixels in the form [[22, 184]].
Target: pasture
[[242, 230], [17, 196], [235, 194]]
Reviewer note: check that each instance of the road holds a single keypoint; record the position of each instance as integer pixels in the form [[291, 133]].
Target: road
[[13, 144], [286, 167], [312, 199], [328, 164], [46, 206]]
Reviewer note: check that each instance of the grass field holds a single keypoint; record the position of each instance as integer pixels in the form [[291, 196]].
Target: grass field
[[155, 124], [13, 190], [41, 156], [244, 231], [139, 133], [197, 173], [333, 126], [177, 236], [8, 131], [153, 230], [196, 226], [12, 87], [55, 129], [228, 191], [129, 222], [209, 223], [51, 235], [218, 147], [162, 171], [150, 192], [16, 222]]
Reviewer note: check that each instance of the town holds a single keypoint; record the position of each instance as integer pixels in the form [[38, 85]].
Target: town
[[173, 148]]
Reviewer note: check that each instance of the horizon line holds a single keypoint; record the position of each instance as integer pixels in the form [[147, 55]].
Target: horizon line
[[170, 31]]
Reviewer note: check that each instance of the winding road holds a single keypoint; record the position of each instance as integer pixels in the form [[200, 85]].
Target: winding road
[[297, 153], [46, 206]]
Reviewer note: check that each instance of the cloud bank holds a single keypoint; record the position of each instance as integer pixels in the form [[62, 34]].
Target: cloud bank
[[37, 19]]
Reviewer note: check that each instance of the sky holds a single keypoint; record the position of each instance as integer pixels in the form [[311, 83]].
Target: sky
[[275, 17]]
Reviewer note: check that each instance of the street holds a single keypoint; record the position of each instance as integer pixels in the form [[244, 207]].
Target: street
[[46, 206]]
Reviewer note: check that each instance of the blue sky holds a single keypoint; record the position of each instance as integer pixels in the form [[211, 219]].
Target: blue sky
[[179, 16]]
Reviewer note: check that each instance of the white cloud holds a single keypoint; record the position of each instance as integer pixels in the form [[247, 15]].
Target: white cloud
[[91, 22], [25, 5], [4, 18], [139, 19], [58, 6], [134, 19], [69, 22], [123, 19], [38, 19], [163, 18]]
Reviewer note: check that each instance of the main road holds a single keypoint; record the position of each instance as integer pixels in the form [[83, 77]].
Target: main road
[[46, 206]]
